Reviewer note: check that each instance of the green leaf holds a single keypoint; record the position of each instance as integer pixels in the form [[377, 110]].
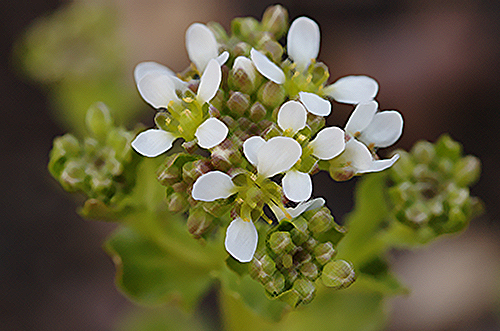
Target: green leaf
[[245, 304], [152, 273]]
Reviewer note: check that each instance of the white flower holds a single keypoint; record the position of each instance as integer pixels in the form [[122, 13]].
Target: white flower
[[368, 130], [154, 142], [328, 143], [303, 43], [157, 85]]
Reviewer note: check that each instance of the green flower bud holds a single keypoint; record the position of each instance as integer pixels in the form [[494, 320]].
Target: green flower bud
[[324, 252], [275, 20], [271, 95], [286, 261], [238, 103], [98, 121], [245, 28], [423, 152], [192, 170], [199, 222], [447, 147], [280, 242], [242, 49], [322, 221], [467, 170], [73, 176], [176, 202], [257, 112], [338, 274], [275, 284], [309, 270], [306, 290]]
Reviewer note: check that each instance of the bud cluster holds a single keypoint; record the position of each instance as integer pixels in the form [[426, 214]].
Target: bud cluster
[[430, 187], [100, 166], [299, 252]]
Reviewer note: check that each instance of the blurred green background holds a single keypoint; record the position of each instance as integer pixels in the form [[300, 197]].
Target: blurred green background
[[437, 62]]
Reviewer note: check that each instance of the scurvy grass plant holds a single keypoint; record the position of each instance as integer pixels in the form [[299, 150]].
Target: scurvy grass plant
[[219, 193]]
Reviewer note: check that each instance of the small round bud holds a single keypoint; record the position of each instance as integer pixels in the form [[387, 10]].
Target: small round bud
[[275, 20], [271, 94], [338, 274], [275, 284], [238, 103], [199, 222], [306, 290], [423, 152], [280, 242], [324, 252], [257, 112], [309, 270], [322, 221]]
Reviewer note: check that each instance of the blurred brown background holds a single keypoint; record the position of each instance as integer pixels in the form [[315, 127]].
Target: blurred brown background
[[437, 62]]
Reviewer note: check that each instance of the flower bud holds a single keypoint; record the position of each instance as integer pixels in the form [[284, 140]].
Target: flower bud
[[245, 27], [257, 112], [192, 170], [242, 49], [309, 270], [238, 103], [423, 152], [322, 221], [271, 95], [243, 76], [447, 147], [199, 222], [275, 284], [306, 290], [275, 20], [467, 170], [338, 274], [98, 121], [280, 242], [176, 202], [324, 252]]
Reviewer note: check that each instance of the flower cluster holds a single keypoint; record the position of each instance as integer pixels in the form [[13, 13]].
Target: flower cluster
[[260, 123], [429, 188]]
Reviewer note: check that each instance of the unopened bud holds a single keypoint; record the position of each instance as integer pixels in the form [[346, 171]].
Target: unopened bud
[[245, 27], [257, 112], [467, 170], [280, 242], [423, 152], [275, 20], [338, 274], [324, 252], [275, 284], [176, 202], [309, 270], [447, 147], [98, 121], [322, 221], [306, 290], [199, 222], [243, 76], [271, 94], [238, 103]]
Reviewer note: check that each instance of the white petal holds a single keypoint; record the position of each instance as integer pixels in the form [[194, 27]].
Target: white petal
[[379, 165], [211, 133], [212, 186], [297, 186], [277, 155], [305, 206], [153, 142], [328, 143], [384, 130], [353, 89], [251, 147], [209, 82], [315, 104], [221, 59], [201, 45], [157, 89], [357, 155], [144, 68], [292, 115], [266, 67], [303, 41], [241, 240], [361, 117]]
